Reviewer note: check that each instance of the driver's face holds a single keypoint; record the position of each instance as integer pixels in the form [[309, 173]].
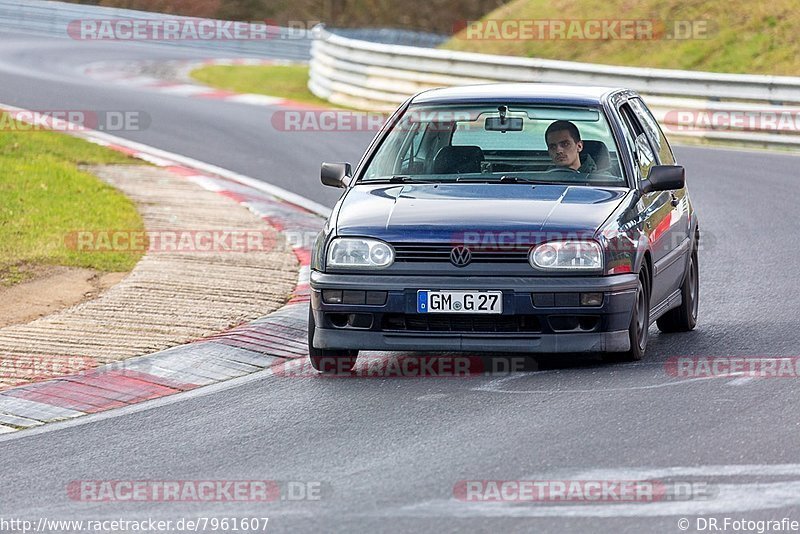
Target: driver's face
[[563, 150]]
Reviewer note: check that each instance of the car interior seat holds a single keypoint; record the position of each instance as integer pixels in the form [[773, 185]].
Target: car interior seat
[[599, 152], [458, 160]]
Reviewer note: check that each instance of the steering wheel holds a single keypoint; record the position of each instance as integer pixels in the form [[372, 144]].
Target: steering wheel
[[562, 169]]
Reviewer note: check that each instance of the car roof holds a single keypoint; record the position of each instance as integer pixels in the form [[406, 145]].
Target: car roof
[[534, 93]]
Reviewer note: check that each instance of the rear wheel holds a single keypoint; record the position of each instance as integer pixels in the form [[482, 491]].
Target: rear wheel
[[328, 361], [684, 317]]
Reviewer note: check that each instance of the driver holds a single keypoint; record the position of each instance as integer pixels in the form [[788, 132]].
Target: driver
[[565, 147]]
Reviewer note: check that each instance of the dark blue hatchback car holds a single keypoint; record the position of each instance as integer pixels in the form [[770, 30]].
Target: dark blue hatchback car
[[506, 217]]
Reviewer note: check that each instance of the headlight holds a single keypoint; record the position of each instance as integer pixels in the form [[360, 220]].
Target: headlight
[[567, 256], [357, 253]]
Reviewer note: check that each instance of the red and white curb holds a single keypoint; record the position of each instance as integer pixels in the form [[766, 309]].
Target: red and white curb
[[273, 339], [132, 74]]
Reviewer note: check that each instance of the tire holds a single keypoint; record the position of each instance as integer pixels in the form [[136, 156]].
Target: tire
[[684, 317], [328, 361], [640, 322]]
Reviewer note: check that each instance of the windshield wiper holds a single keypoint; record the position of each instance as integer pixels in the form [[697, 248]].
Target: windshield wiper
[[477, 180], [505, 179], [399, 179]]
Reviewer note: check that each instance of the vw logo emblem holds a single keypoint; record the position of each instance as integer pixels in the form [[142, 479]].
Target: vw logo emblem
[[460, 256]]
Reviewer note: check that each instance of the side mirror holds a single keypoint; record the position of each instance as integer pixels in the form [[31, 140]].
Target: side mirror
[[664, 178], [336, 174]]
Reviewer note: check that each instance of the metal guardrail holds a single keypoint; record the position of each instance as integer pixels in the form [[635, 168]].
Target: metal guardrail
[[53, 18], [379, 76], [393, 36]]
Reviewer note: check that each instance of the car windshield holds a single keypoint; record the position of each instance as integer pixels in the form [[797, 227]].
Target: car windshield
[[497, 143]]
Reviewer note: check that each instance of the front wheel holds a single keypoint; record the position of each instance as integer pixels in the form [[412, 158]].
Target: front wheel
[[684, 317], [328, 361], [640, 321]]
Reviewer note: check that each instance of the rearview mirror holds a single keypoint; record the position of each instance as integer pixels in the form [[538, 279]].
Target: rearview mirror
[[503, 124], [336, 174], [664, 178]]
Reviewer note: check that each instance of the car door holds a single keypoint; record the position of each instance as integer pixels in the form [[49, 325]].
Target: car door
[[673, 267], [656, 207]]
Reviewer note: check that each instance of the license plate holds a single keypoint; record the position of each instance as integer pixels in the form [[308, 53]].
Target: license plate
[[459, 301]]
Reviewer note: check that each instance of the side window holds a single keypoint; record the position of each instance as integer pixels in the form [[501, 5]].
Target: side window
[[643, 152], [653, 130]]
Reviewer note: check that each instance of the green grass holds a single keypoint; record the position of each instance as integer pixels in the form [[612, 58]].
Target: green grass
[[284, 81], [743, 37], [45, 196]]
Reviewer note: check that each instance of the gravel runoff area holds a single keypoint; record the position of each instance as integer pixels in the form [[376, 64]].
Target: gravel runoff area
[[169, 298]]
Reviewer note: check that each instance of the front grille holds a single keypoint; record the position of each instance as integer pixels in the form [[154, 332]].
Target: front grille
[[432, 252], [422, 322]]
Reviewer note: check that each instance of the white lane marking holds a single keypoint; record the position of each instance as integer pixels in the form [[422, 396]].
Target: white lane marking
[[159, 162], [646, 473], [170, 158], [740, 381], [494, 386], [730, 498], [206, 183], [256, 100], [140, 81], [183, 89]]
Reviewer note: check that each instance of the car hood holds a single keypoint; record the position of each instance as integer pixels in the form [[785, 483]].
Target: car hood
[[433, 212]]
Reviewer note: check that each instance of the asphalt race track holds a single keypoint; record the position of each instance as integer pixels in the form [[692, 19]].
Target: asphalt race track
[[389, 452], [45, 73]]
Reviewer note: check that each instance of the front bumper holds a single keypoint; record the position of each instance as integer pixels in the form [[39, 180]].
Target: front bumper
[[552, 322]]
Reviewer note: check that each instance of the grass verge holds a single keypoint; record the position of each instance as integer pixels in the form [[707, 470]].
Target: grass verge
[[46, 197], [284, 81], [725, 35]]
